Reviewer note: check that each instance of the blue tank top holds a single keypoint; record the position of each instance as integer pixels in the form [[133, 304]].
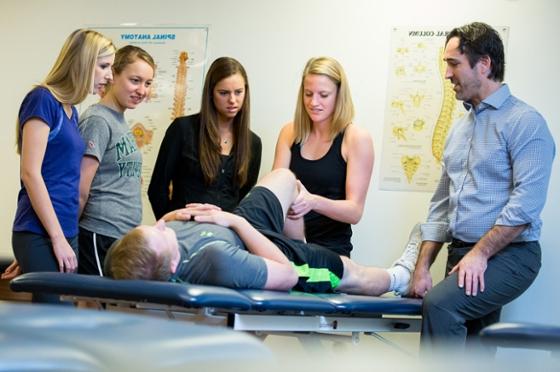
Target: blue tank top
[[326, 177]]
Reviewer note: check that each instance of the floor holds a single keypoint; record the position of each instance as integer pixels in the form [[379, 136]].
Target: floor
[[390, 352], [7, 295]]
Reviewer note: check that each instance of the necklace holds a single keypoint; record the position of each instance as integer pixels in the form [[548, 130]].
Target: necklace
[[226, 140]]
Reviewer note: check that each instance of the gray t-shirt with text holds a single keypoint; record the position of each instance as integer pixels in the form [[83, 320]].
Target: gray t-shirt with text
[[114, 205]]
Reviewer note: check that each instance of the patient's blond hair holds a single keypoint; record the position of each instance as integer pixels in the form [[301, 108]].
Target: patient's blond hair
[[131, 257]]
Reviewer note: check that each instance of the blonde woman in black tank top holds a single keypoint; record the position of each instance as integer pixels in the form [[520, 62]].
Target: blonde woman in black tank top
[[331, 157]]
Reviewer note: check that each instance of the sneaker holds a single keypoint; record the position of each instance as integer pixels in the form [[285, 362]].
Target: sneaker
[[409, 257]]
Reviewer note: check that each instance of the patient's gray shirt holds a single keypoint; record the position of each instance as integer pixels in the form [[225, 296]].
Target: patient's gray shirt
[[214, 255], [114, 205]]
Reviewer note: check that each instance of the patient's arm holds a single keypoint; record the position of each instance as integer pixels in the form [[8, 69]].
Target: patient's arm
[[280, 272], [255, 242]]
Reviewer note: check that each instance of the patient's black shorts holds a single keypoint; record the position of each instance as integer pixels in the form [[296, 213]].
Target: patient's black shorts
[[319, 269]]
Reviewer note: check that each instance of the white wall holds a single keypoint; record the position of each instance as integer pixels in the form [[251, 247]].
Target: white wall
[[274, 40]]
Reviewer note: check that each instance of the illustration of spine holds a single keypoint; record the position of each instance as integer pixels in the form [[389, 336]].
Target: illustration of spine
[[179, 97], [410, 165], [444, 120]]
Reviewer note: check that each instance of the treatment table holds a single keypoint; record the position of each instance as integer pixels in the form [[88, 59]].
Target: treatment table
[[257, 311]]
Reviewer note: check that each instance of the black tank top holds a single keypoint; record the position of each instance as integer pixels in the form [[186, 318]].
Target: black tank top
[[325, 177]]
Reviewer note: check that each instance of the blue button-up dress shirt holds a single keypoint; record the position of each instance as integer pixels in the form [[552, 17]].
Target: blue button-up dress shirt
[[496, 169]]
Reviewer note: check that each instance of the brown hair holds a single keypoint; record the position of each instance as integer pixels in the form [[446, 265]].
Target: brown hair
[[477, 40], [131, 257], [209, 144], [128, 54]]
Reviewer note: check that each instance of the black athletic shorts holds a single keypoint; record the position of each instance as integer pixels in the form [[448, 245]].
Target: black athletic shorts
[[93, 248], [319, 269]]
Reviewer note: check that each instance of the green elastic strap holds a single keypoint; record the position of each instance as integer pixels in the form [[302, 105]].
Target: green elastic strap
[[316, 275]]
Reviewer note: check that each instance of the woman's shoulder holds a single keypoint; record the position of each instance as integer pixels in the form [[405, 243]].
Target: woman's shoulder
[[99, 120], [287, 127], [254, 137], [287, 133], [354, 134], [189, 123], [40, 102], [357, 143], [42, 91], [41, 94], [96, 110]]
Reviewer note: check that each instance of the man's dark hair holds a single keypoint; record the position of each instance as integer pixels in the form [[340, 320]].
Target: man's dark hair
[[477, 40]]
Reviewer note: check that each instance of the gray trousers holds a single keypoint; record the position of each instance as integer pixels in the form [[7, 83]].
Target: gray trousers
[[449, 316]]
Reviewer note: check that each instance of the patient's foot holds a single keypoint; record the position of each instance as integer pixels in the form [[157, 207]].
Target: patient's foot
[[403, 267]]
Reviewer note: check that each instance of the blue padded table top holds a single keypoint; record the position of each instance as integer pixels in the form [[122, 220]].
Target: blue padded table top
[[197, 296], [368, 305], [165, 293], [288, 302], [331, 303], [524, 335]]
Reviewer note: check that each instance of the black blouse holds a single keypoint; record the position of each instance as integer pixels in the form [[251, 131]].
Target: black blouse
[[178, 162]]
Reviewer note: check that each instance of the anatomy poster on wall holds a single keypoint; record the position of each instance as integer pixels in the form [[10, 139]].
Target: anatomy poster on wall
[[420, 110], [180, 57]]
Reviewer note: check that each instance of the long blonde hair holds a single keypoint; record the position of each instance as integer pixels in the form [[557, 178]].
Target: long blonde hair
[[70, 79], [344, 107]]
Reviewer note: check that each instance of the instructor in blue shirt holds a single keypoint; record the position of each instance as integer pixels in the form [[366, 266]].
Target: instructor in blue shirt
[[495, 173]]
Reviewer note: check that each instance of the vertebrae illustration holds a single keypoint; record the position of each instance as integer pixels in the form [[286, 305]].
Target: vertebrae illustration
[[179, 97], [444, 120]]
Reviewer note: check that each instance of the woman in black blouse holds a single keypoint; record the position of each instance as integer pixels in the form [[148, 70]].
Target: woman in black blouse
[[213, 156]]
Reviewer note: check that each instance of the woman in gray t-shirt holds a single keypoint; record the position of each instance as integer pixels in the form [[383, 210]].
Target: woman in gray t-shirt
[[110, 184]]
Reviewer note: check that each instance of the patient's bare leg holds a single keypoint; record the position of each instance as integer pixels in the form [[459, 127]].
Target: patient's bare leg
[[366, 280], [295, 229], [282, 183]]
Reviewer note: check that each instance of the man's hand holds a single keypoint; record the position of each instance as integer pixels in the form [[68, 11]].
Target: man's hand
[[470, 272], [303, 203], [421, 283]]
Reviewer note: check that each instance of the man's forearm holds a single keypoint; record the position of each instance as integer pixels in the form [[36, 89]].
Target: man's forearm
[[497, 238], [428, 253]]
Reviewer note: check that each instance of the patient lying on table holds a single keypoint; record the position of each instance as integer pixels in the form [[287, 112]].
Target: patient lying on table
[[201, 244]]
